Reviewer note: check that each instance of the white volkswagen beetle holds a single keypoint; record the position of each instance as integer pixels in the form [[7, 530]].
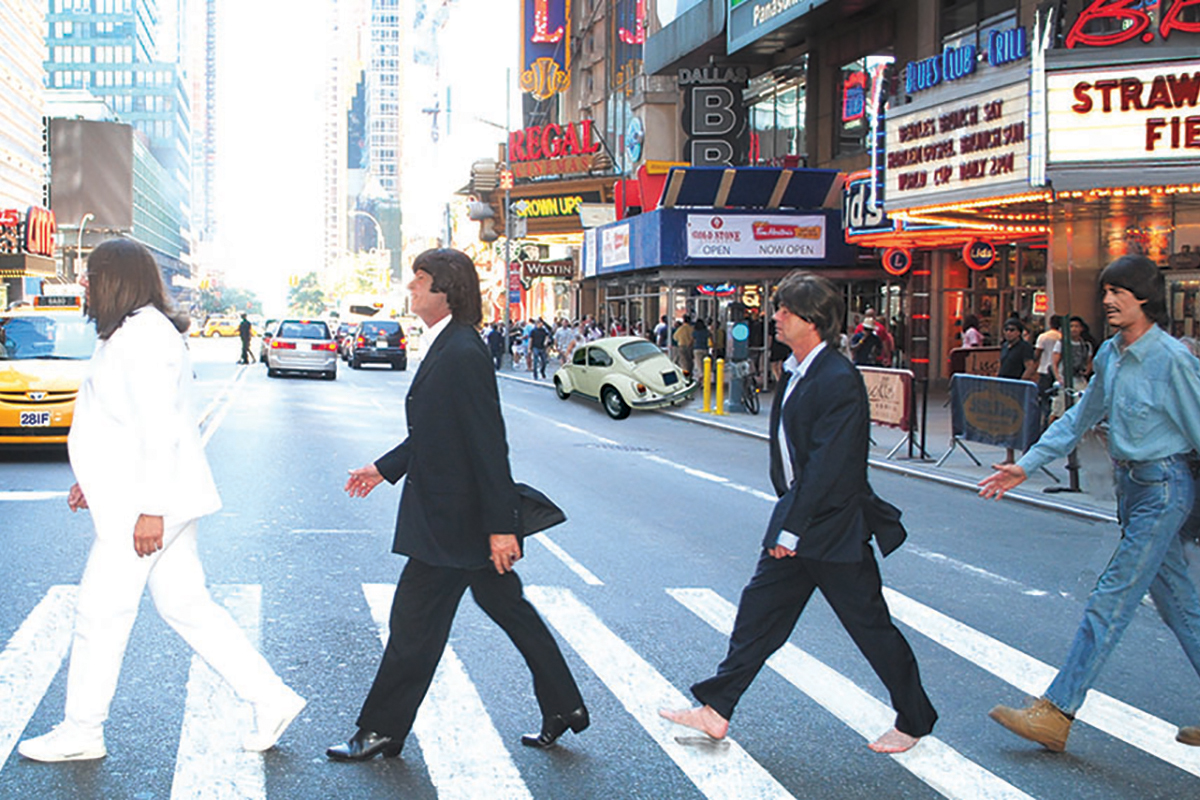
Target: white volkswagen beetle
[[623, 373]]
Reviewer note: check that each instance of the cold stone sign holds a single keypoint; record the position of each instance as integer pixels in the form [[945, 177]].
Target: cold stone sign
[[714, 116], [975, 144]]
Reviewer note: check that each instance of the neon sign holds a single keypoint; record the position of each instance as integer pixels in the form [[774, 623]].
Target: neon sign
[[638, 34], [33, 234], [854, 97], [546, 47], [1133, 21], [978, 254]]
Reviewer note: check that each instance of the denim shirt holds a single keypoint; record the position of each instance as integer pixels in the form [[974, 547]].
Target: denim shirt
[[1150, 392]]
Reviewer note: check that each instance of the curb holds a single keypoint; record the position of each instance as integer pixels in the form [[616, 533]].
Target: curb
[[877, 463]]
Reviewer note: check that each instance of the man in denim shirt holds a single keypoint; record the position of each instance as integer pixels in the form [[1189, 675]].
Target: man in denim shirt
[[1148, 385]]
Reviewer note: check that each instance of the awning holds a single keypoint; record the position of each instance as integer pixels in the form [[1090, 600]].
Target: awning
[[26, 265], [752, 187]]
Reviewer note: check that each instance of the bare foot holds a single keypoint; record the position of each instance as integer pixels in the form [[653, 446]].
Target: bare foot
[[893, 741], [703, 719]]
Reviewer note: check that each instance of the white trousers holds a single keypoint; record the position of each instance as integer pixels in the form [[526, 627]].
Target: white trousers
[[109, 595]]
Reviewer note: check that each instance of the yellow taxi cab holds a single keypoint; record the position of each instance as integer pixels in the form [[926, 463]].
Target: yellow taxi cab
[[44, 350], [221, 326]]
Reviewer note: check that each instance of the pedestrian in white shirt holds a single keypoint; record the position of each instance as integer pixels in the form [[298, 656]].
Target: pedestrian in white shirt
[[136, 453]]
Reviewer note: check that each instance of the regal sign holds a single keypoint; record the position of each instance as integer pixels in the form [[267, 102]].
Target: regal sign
[[552, 149], [546, 47]]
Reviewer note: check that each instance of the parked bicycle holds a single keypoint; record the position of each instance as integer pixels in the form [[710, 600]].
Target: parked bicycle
[[748, 372]]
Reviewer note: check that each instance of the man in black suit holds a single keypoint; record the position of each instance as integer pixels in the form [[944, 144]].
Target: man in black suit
[[458, 522], [819, 533]]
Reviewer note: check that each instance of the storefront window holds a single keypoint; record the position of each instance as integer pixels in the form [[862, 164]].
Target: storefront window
[[858, 81], [776, 107]]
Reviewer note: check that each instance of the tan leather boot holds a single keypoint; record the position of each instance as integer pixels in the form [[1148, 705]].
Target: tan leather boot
[[1040, 722], [1189, 735]]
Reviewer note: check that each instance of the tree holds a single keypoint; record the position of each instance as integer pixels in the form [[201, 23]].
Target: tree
[[228, 301], [306, 298]]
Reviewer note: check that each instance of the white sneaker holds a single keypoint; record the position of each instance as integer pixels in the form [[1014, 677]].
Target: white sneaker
[[272, 719], [64, 743]]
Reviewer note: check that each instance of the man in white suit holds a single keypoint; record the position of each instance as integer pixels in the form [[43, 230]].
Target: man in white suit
[[136, 452]]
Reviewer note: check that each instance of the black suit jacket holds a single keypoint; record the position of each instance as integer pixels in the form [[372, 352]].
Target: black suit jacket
[[830, 504], [459, 488]]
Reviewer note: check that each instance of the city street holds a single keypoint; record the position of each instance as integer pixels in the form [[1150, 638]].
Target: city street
[[639, 586]]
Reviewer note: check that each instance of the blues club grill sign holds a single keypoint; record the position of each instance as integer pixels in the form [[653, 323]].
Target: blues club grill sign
[[545, 47]]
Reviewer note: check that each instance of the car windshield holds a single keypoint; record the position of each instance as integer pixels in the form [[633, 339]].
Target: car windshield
[[57, 336], [292, 329], [638, 351], [376, 328]]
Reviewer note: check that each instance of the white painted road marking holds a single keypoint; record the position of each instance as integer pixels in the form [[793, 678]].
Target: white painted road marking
[[1121, 720], [933, 761], [210, 762], [642, 690], [463, 751], [565, 557], [31, 660], [215, 414]]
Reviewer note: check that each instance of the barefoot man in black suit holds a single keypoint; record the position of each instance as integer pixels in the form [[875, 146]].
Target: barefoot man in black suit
[[819, 534]]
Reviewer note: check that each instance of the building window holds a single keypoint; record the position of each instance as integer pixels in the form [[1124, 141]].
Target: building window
[[776, 105], [966, 22]]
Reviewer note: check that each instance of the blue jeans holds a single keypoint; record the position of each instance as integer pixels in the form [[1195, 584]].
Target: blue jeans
[[539, 362], [1153, 500]]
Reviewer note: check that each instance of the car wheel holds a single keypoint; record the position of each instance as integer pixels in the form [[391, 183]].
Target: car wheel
[[562, 393], [272, 372], [614, 405], [331, 375], [355, 363]]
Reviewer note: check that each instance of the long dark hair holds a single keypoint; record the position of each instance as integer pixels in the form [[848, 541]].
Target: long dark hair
[[123, 277], [454, 275], [1140, 276]]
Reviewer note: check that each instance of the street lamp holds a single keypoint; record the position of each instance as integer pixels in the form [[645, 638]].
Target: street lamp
[[79, 241], [380, 244]]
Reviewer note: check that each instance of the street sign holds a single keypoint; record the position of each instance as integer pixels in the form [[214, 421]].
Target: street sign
[[506, 179], [514, 282]]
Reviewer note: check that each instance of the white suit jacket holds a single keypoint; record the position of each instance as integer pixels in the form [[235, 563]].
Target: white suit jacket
[[135, 440]]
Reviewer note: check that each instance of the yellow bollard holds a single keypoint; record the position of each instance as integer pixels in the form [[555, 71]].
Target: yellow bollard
[[707, 386], [720, 405]]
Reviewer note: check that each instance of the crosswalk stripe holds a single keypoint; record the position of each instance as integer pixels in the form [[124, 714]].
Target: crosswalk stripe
[[31, 660], [642, 690], [210, 762], [462, 748], [933, 761], [562, 555], [1121, 720], [27, 496]]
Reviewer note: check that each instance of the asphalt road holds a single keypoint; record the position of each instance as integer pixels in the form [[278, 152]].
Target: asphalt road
[[639, 586]]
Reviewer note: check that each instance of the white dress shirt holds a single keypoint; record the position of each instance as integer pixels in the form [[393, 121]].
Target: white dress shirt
[[429, 336], [796, 370]]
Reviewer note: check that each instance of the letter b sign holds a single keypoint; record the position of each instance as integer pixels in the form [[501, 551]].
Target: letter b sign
[[714, 121], [712, 111]]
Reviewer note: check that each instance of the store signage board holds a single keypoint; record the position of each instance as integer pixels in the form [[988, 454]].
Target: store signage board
[[1135, 113], [545, 47], [897, 260], [1135, 22], [750, 20], [971, 144], [557, 205], [755, 237], [614, 247], [29, 231]]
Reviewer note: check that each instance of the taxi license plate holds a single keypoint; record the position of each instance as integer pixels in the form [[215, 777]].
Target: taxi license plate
[[35, 419]]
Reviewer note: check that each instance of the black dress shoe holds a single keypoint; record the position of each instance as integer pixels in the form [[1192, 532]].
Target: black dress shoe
[[363, 746], [555, 726]]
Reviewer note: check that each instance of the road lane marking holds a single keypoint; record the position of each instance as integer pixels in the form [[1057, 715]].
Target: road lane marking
[[217, 410], [30, 661], [331, 530], [463, 752], [210, 761], [933, 761], [642, 690], [579, 569], [970, 569], [29, 496], [1125, 722]]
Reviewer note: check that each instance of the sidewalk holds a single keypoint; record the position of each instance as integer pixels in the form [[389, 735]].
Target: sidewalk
[[1095, 501]]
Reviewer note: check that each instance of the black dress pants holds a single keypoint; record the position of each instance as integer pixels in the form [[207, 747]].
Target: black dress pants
[[770, 607], [423, 610]]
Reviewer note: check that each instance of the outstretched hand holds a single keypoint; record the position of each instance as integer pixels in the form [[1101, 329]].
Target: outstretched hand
[[1006, 477], [75, 498], [363, 480]]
